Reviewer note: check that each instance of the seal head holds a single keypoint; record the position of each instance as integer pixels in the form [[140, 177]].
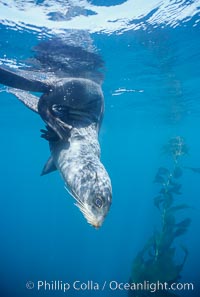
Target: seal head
[[93, 195], [84, 174]]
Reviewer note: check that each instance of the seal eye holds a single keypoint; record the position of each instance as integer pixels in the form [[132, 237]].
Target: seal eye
[[98, 202]]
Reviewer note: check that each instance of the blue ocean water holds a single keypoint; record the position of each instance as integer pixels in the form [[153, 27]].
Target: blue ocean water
[[151, 51]]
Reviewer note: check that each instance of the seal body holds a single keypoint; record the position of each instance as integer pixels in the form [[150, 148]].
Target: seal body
[[72, 106], [76, 117], [72, 102]]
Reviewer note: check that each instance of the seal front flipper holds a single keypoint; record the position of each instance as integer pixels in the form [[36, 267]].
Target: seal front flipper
[[26, 98], [22, 80], [49, 167]]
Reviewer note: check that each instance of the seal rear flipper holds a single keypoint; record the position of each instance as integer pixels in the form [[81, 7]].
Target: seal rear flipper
[[26, 98], [49, 113], [22, 80], [49, 167], [49, 134], [62, 129]]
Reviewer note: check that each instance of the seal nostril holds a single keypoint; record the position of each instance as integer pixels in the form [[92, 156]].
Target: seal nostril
[[97, 226]]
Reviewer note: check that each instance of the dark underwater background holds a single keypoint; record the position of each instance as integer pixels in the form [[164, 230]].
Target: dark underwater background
[[151, 88]]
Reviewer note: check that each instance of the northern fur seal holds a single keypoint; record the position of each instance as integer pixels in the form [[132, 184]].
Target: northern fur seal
[[72, 108]]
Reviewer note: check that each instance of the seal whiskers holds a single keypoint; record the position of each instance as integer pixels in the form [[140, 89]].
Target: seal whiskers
[[84, 209], [86, 212]]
